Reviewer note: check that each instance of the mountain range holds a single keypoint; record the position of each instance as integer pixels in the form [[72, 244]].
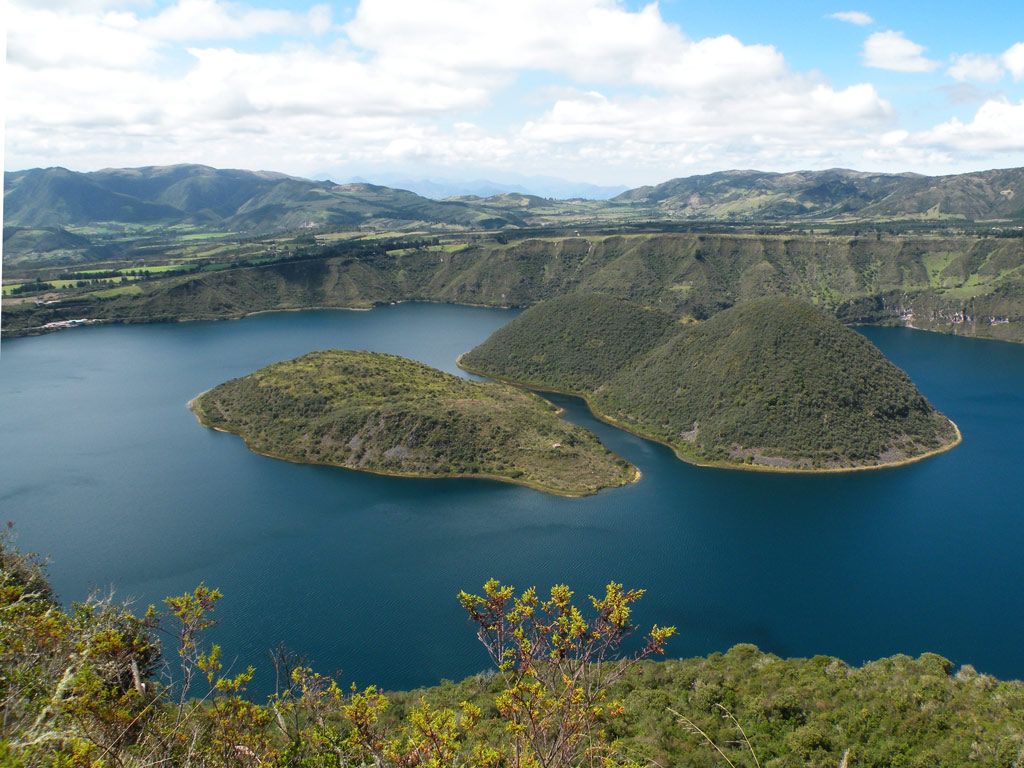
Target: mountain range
[[440, 188], [255, 201], [260, 201], [996, 194]]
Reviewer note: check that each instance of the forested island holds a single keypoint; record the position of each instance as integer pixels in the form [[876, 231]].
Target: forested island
[[771, 384], [386, 414]]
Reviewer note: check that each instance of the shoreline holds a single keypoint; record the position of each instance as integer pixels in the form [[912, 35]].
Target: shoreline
[[726, 465], [634, 477], [41, 330]]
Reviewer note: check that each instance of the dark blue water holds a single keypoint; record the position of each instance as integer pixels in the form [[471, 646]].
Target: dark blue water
[[105, 471]]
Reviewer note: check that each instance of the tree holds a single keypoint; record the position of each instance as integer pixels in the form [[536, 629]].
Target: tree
[[557, 666]]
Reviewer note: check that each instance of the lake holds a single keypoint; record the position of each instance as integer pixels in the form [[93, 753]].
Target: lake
[[106, 472]]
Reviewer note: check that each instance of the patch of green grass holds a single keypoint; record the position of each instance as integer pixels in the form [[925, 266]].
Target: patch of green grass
[[132, 289], [205, 236], [935, 263]]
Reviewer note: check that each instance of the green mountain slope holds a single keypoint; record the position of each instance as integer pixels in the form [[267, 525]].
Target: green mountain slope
[[224, 199], [836, 192], [815, 712], [962, 285], [772, 383], [47, 244], [776, 383], [55, 197], [818, 712], [573, 343], [382, 413], [260, 202]]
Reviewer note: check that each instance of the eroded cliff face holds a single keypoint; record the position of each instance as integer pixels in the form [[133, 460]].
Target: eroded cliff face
[[970, 286]]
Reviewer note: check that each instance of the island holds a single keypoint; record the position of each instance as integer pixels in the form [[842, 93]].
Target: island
[[771, 384], [389, 415]]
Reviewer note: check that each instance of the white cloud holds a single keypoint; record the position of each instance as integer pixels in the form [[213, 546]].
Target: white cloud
[[976, 67], [92, 33], [216, 20], [312, 82], [82, 6], [998, 126], [893, 51], [623, 95], [45, 38], [588, 40], [1013, 60], [859, 18], [792, 123]]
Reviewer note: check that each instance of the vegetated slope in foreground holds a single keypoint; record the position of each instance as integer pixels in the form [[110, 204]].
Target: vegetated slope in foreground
[[572, 344], [90, 686], [382, 413], [770, 384], [796, 712]]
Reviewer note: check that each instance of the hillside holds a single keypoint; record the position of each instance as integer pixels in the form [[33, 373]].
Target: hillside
[[48, 244], [961, 285], [262, 202], [382, 413], [56, 197], [997, 194], [770, 384], [91, 688], [900, 710], [776, 383], [573, 343], [228, 200]]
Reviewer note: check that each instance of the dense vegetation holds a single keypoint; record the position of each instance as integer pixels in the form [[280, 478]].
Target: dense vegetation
[[769, 383], [383, 413], [99, 687], [964, 285], [572, 344]]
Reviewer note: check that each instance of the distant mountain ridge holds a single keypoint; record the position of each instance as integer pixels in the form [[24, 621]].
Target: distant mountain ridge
[[261, 201], [239, 200], [995, 194], [538, 186]]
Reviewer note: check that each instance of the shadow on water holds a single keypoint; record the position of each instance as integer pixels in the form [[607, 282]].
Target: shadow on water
[[114, 479]]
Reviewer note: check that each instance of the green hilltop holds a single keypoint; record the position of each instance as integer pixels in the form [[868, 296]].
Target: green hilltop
[[386, 414], [837, 192], [220, 199], [769, 384], [572, 344]]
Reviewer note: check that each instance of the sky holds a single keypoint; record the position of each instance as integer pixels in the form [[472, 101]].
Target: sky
[[600, 91]]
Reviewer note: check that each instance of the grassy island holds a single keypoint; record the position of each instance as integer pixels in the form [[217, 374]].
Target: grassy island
[[772, 384], [386, 414]]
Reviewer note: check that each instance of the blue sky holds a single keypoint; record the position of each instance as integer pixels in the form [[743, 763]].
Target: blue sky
[[592, 90]]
